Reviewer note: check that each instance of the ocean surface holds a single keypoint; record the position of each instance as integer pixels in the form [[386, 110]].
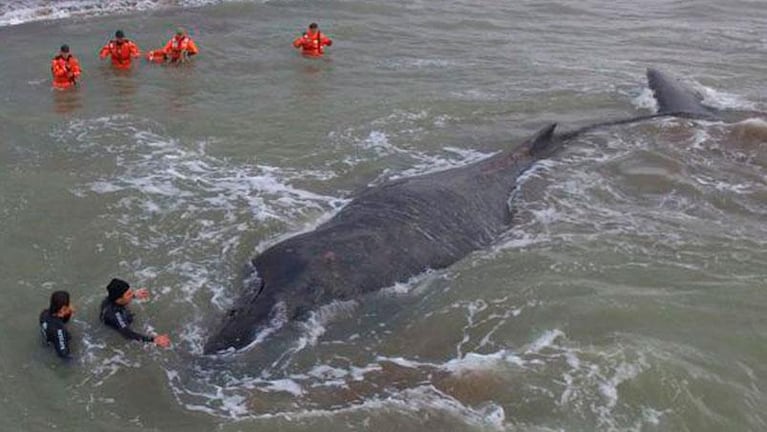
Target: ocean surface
[[630, 294]]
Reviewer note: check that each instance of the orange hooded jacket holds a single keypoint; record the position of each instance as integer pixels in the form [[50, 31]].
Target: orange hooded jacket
[[65, 70], [312, 44], [121, 52], [176, 46]]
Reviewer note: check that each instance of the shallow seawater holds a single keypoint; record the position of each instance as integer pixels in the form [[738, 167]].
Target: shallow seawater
[[628, 295]]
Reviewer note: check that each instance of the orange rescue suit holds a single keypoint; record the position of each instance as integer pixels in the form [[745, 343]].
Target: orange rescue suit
[[176, 46], [121, 52], [65, 70], [311, 44]]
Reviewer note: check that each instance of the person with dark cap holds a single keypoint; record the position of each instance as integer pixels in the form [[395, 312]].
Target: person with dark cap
[[52, 324], [121, 50], [312, 42], [115, 313], [65, 69]]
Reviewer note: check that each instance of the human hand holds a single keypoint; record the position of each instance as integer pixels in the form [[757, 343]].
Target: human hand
[[141, 294], [162, 341]]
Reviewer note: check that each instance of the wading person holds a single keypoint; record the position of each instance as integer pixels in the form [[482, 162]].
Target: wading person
[[115, 312], [52, 324], [65, 69], [312, 42], [120, 50], [179, 49]]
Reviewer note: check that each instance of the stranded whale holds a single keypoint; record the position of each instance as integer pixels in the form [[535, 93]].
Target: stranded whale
[[392, 232], [386, 234]]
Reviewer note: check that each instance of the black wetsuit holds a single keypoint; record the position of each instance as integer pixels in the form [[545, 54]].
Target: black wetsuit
[[54, 332], [120, 318]]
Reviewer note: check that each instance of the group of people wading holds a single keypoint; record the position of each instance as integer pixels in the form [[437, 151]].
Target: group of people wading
[[114, 312], [179, 49]]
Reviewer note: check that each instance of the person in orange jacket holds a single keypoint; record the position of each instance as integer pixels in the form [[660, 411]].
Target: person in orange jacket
[[312, 42], [65, 69], [121, 50], [178, 49]]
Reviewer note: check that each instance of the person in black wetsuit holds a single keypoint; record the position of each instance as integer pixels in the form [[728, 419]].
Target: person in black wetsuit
[[52, 322], [115, 313]]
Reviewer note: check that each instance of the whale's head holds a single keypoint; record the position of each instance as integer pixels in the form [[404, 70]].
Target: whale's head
[[278, 289], [244, 321]]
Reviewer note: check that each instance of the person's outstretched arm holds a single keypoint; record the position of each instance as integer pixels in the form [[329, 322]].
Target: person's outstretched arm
[[124, 329]]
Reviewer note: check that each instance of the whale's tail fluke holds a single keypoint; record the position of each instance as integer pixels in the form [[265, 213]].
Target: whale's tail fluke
[[674, 97]]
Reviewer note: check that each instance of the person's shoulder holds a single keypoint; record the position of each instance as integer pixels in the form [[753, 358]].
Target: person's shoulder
[[44, 315], [105, 304]]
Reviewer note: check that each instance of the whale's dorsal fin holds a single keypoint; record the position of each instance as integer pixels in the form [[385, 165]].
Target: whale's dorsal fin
[[542, 139]]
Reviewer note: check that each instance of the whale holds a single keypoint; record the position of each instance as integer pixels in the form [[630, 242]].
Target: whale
[[675, 97], [394, 231], [384, 235]]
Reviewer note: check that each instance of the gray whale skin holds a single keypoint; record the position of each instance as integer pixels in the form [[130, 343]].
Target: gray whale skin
[[392, 232]]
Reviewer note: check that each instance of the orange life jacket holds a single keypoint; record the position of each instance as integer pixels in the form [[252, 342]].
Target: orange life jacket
[[312, 45], [121, 52], [176, 46], [65, 71]]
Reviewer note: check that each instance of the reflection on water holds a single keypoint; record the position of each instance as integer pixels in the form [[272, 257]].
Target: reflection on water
[[312, 76], [182, 87], [66, 101], [122, 85]]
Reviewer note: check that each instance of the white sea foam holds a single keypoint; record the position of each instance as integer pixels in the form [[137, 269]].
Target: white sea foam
[[429, 163], [278, 319], [208, 195], [723, 100], [23, 11], [285, 385], [396, 135], [212, 202], [646, 100], [316, 325]]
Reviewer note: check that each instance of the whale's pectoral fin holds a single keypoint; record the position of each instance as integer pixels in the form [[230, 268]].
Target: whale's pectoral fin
[[542, 140]]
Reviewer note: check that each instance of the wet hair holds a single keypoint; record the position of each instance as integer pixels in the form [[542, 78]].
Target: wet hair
[[65, 48], [117, 288], [119, 34], [313, 26], [59, 299]]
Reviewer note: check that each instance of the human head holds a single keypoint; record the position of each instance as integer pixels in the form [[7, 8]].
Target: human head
[[59, 305], [119, 34], [313, 27], [180, 31], [119, 291], [65, 49]]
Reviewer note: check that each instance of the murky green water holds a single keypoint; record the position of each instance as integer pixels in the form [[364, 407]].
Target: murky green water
[[629, 296]]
